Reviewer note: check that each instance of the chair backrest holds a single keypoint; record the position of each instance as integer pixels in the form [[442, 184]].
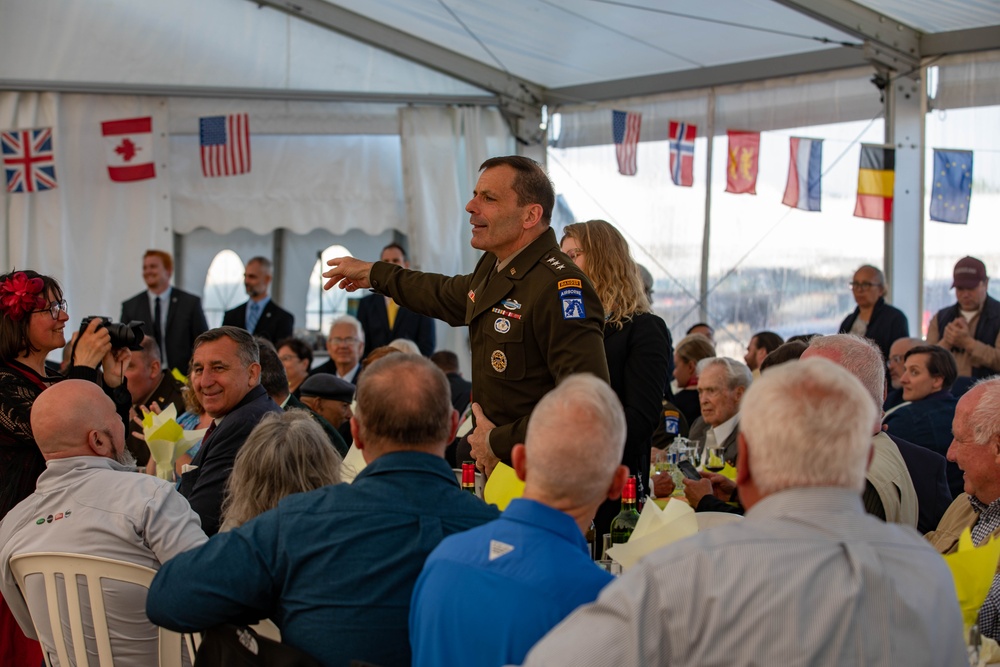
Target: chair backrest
[[94, 569]]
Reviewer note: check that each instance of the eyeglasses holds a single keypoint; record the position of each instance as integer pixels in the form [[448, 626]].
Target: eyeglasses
[[345, 341], [862, 286], [573, 253], [54, 309], [895, 359]]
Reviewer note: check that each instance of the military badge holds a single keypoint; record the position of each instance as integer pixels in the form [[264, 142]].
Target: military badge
[[510, 304], [502, 325], [499, 361]]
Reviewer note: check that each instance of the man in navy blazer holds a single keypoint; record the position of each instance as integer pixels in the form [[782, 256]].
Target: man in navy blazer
[[260, 315], [181, 318], [225, 376], [373, 312]]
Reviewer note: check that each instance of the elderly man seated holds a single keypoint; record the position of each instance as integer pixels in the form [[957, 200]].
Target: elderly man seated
[[89, 502], [721, 384], [808, 578], [532, 564], [976, 450]]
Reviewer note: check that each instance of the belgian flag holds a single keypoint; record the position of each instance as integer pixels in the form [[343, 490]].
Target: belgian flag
[[876, 179]]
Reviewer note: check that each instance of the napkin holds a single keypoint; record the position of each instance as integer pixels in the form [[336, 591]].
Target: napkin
[[973, 568]]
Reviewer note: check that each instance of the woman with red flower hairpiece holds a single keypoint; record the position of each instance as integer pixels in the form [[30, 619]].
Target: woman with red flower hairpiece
[[32, 322]]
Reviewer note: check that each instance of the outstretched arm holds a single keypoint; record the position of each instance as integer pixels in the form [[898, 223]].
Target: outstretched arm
[[347, 273]]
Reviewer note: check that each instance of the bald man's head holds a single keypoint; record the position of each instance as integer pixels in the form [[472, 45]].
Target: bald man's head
[[75, 418]]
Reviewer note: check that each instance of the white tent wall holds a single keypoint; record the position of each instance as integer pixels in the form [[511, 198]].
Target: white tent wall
[[439, 232], [88, 232]]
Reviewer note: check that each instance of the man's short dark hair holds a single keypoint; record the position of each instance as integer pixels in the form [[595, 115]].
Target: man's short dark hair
[[299, 347], [940, 363], [446, 360], [785, 352], [397, 247], [247, 348], [531, 183], [404, 399], [151, 350], [272, 372], [701, 324], [768, 340]]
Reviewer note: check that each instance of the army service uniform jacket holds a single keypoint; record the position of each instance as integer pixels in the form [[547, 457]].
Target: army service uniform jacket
[[530, 325]]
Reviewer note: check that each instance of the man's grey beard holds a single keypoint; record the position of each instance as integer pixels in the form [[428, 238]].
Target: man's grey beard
[[125, 458]]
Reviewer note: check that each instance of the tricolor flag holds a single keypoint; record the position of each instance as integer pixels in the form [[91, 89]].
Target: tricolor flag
[[805, 168], [128, 144], [952, 191], [225, 145], [741, 171], [876, 179], [28, 160], [682, 138], [625, 127]]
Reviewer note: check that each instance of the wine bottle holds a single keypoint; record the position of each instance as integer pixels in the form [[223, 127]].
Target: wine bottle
[[469, 477], [623, 524]]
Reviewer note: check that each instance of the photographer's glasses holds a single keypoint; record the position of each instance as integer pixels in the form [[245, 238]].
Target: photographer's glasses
[[54, 309]]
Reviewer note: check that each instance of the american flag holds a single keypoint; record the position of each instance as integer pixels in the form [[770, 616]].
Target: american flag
[[225, 145], [28, 160], [682, 153], [625, 126]]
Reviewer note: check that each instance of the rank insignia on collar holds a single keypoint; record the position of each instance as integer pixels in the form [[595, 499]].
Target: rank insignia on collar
[[513, 271], [472, 296], [556, 263]]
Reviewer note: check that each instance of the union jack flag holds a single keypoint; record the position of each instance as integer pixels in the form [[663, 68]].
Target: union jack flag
[[682, 153], [28, 160]]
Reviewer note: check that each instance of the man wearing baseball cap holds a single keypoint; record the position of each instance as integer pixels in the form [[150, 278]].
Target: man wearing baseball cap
[[970, 328]]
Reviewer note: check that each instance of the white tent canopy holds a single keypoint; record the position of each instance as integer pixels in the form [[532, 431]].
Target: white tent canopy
[[369, 118]]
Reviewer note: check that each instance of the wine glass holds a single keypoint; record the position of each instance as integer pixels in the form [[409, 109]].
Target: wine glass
[[715, 461]]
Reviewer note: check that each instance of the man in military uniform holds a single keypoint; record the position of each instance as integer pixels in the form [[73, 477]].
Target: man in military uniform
[[533, 316]]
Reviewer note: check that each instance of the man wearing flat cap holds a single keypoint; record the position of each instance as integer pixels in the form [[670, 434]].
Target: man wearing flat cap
[[328, 396], [969, 328]]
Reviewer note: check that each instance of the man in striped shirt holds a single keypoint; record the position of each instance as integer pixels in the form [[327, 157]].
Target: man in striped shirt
[[806, 578]]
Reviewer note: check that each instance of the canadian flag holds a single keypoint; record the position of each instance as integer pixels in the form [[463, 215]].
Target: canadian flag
[[129, 147]]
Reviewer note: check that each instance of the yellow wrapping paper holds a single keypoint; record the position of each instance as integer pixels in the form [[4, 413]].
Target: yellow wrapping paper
[[502, 487], [166, 440], [973, 568]]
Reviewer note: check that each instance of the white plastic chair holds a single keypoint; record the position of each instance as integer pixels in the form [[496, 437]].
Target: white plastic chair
[[95, 569]]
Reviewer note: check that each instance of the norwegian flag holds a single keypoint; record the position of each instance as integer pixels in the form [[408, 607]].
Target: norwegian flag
[[682, 153], [28, 160]]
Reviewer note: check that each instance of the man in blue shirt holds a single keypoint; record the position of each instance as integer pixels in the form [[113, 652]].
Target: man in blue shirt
[[334, 568], [509, 582]]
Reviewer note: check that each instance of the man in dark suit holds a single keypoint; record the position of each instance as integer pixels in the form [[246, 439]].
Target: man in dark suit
[[461, 389], [345, 345], [225, 376], [260, 315], [170, 315], [384, 320], [148, 383]]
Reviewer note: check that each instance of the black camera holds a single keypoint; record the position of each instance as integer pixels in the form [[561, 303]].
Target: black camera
[[122, 335]]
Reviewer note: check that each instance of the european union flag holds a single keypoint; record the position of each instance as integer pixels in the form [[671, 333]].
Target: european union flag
[[952, 189]]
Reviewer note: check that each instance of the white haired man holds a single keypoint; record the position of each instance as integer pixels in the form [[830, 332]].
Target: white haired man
[[532, 563], [345, 344], [976, 450], [807, 578]]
